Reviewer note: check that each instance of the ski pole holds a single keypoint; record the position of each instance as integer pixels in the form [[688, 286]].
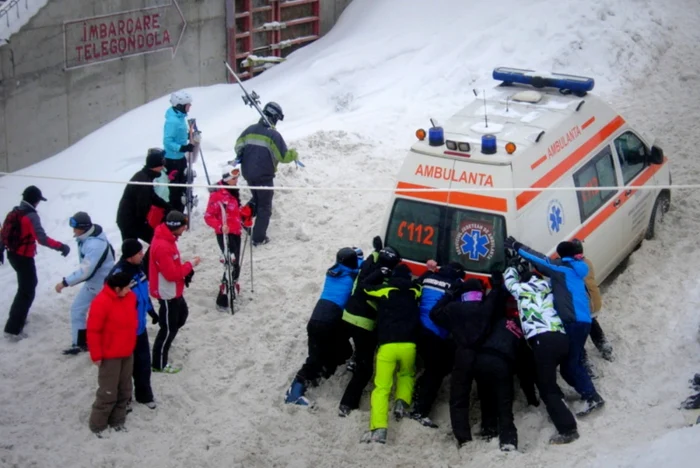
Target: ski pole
[[251, 266], [245, 245], [206, 173]]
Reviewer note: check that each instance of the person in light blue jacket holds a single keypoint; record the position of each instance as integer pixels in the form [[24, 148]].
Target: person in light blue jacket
[[176, 142], [96, 260]]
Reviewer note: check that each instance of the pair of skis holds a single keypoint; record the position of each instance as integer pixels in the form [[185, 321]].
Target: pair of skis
[[190, 198], [228, 281]]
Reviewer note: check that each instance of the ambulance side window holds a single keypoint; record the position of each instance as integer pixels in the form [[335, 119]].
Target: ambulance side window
[[599, 172], [632, 154]]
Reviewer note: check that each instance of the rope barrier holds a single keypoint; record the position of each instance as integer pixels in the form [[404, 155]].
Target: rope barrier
[[368, 189]]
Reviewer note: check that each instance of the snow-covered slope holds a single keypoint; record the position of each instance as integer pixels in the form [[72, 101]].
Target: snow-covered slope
[[352, 101], [16, 13]]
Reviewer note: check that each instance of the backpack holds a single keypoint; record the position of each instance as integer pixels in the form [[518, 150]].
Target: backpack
[[12, 230]]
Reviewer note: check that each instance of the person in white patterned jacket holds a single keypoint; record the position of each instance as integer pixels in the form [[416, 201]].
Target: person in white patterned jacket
[[544, 332]]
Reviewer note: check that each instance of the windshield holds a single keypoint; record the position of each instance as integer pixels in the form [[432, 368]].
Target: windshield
[[422, 231]]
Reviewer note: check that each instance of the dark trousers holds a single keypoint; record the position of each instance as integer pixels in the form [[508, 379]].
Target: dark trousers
[[113, 393], [494, 384], [365, 345], [438, 358], [176, 193], [142, 369], [460, 390], [26, 290], [327, 350], [145, 233], [263, 203], [597, 335], [550, 350], [172, 315], [234, 247], [574, 371]]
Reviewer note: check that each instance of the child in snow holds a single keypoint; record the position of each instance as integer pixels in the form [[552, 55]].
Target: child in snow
[[326, 346], [398, 319], [111, 330]]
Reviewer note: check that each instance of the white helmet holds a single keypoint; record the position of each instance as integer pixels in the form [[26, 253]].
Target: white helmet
[[180, 98]]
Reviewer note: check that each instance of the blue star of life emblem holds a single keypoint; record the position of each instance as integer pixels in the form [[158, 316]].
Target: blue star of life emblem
[[474, 244], [555, 218]]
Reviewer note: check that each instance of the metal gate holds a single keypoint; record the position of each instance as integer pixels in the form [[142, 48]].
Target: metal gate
[[262, 33]]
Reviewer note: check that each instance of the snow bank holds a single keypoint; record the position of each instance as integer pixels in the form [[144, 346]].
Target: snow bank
[[352, 102], [16, 13]]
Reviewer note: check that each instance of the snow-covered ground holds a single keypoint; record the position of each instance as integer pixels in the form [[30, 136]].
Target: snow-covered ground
[[352, 103]]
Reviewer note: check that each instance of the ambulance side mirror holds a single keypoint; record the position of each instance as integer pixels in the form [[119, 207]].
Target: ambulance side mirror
[[657, 155]]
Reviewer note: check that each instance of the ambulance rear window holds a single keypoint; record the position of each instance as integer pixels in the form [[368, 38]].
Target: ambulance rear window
[[422, 231]]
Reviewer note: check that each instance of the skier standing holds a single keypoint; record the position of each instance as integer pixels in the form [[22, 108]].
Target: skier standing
[[20, 233], [260, 148], [176, 141], [96, 260], [168, 278], [131, 264]]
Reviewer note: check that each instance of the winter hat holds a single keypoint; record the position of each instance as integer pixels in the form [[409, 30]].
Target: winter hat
[[155, 158], [131, 247], [175, 220], [119, 279], [401, 271], [473, 284], [80, 220], [32, 195], [230, 173], [566, 249], [579, 246]]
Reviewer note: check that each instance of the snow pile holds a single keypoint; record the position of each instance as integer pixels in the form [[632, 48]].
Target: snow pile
[[352, 102], [16, 13]]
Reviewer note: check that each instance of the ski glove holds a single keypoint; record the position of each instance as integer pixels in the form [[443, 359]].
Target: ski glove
[[64, 249], [2, 257], [511, 243], [188, 148], [292, 155], [154, 316], [377, 243], [188, 278]]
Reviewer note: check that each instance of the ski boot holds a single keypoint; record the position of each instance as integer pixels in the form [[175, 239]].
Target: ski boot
[[695, 382], [566, 438], [423, 420], [377, 435], [344, 411], [488, 433], [692, 402], [74, 350], [592, 404], [400, 409], [168, 369], [295, 394], [606, 352], [15, 338]]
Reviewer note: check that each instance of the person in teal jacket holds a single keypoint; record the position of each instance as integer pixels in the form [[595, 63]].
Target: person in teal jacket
[[176, 142]]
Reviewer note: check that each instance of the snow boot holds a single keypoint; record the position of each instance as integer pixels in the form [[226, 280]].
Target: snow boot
[[400, 409], [151, 404], [696, 382], [120, 428], [508, 442], [566, 438], [377, 435], [15, 338], [266, 240], [423, 420], [74, 350], [168, 369], [606, 351], [592, 404], [222, 300], [129, 407], [692, 402], [295, 394], [344, 411], [488, 433]]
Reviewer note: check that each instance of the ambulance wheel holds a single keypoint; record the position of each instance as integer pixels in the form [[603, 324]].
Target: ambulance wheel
[[658, 214]]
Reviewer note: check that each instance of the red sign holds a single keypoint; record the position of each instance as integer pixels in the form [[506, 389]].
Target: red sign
[[110, 37]]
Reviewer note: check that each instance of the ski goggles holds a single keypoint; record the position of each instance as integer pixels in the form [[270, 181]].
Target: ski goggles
[[73, 223]]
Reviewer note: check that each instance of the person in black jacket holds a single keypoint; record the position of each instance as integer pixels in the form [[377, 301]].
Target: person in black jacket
[[467, 315], [397, 323], [136, 202]]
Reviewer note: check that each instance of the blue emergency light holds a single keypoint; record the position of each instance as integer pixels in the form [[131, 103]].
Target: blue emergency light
[[436, 136], [579, 85], [488, 144]]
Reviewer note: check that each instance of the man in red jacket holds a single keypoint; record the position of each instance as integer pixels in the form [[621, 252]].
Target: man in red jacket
[[20, 233], [168, 277], [111, 337]]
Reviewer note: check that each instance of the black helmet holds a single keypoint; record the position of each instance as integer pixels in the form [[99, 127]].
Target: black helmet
[[273, 112], [389, 257], [347, 257], [579, 246]]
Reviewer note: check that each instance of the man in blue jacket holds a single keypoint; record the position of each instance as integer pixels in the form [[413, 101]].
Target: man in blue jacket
[[176, 135], [572, 303], [260, 148], [327, 349], [96, 259], [131, 263]]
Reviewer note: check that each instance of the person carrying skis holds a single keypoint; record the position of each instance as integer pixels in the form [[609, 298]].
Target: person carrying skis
[[168, 278], [226, 199], [260, 148], [398, 319], [435, 347], [21, 231], [131, 263], [176, 141], [359, 320], [571, 301], [544, 332], [325, 338], [467, 313], [111, 330], [137, 201], [96, 260]]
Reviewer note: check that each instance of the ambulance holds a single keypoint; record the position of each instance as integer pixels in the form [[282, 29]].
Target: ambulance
[[536, 157]]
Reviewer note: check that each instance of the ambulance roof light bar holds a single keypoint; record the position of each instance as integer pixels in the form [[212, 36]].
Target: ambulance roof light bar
[[579, 85]]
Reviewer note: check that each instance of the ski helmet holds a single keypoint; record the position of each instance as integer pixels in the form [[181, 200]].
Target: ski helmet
[[180, 98], [347, 257], [273, 112], [389, 257], [230, 172]]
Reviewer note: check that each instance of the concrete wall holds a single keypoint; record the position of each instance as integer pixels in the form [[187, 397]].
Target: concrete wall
[[44, 108]]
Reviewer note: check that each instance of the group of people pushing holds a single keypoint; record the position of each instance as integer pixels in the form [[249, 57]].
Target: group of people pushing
[[460, 328]]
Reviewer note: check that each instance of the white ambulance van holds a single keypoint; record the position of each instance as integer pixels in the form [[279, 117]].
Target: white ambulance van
[[532, 131]]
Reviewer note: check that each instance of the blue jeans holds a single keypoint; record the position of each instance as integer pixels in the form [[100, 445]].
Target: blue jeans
[[573, 371]]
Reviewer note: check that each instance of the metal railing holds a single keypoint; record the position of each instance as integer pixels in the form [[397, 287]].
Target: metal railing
[[6, 6]]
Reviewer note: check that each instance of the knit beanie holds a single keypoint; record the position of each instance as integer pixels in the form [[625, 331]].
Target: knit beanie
[[131, 247]]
